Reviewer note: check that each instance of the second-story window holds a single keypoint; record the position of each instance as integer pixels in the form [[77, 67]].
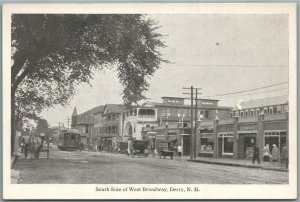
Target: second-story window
[[266, 110], [246, 113], [242, 113], [257, 111], [252, 112], [279, 109], [271, 110]]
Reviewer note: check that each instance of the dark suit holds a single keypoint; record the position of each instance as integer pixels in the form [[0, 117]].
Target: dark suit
[[255, 154]]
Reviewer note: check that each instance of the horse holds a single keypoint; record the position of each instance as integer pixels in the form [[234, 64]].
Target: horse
[[35, 145]]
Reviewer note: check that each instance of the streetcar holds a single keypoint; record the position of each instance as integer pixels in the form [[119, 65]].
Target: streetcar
[[69, 140]]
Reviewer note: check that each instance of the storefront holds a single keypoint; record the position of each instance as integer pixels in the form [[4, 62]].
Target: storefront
[[247, 137], [225, 144], [277, 137], [206, 144]]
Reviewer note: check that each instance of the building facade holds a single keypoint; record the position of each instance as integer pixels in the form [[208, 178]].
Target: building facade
[[109, 126], [234, 136]]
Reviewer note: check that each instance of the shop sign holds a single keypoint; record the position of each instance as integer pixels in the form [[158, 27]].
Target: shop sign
[[247, 128]]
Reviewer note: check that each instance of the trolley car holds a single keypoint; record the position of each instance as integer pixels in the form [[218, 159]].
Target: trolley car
[[69, 140]]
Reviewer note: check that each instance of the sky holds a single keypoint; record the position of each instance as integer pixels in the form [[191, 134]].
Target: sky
[[218, 53]]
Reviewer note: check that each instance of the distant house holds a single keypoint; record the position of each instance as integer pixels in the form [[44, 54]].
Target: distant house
[[108, 126], [84, 123]]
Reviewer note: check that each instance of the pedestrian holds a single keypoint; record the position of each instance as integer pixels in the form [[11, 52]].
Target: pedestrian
[[179, 149], [175, 150], [81, 146], [255, 154], [285, 156], [266, 153], [152, 148], [26, 147], [275, 153]]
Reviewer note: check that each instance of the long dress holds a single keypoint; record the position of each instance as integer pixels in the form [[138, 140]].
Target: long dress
[[275, 154]]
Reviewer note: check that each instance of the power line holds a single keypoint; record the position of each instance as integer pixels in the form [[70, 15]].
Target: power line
[[257, 93], [254, 89], [235, 66]]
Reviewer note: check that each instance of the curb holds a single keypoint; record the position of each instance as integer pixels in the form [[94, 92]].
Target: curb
[[237, 165]]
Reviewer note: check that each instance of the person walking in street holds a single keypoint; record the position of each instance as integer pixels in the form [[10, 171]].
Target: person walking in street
[[275, 154], [285, 156], [255, 154], [179, 149], [266, 153]]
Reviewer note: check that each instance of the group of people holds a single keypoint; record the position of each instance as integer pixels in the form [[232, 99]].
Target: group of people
[[271, 156]]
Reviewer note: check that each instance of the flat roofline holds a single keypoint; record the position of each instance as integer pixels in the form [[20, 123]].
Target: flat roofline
[[208, 99], [173, 97]]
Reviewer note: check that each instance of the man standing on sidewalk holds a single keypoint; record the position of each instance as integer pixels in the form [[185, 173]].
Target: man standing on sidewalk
[[179, 148], [255, 154]]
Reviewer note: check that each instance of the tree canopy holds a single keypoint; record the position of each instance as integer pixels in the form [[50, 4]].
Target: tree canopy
[[52, 54]]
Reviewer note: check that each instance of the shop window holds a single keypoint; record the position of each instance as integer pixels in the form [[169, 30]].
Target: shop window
[[228, 145], [206, 113], [207, 145]]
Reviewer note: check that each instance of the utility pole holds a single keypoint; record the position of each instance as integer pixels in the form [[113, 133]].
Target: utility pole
[[193, 138], [68, 120], [196, 125]]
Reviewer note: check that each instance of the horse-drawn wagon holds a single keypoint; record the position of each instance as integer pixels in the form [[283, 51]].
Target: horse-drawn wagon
[[163, 149]]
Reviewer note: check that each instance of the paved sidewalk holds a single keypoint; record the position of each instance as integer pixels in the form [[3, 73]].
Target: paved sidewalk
[[241, 163]]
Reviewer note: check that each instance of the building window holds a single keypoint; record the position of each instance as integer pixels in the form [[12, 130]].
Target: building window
[[285, 108], [231, 114], [168, 112], [271, 110], [227, 143], [265, 110], [163, 112], [185, 124], [279, 109], [237, 113], [242, 113], [252, 112], [246, 113], [257, 111], [206, 113]]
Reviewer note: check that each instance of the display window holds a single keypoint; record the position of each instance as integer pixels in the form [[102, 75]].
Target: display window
[[227, 143], [275, 137], [207, 143]]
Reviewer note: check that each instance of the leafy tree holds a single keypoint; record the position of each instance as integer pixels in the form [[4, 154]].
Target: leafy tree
[[51, 54], [41, 127]]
